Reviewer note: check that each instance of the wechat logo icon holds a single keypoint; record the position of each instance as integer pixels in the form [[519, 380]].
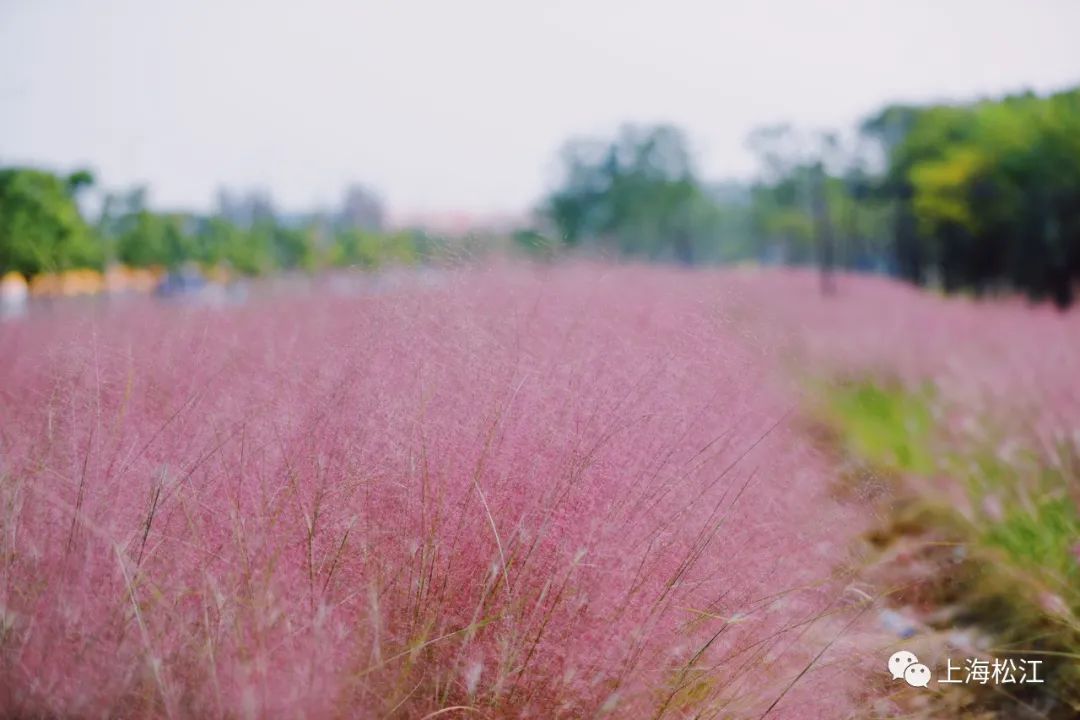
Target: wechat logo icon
[[904, 665]]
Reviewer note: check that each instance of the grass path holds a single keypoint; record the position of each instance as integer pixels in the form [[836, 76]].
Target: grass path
[[959, 422]]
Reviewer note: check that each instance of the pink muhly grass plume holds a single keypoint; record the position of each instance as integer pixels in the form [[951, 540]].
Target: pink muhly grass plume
[[524, 493], [999, 360]]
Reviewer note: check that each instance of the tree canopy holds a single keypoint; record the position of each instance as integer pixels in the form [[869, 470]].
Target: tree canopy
[[993, 189], [973, 196], [638, 193], [41, 228]]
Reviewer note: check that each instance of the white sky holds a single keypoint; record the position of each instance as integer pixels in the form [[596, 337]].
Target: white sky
[[462, 104]]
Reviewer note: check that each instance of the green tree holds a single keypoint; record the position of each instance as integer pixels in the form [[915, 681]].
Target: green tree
[[41, 229], [149, 238], [988, 193], [637, 193]]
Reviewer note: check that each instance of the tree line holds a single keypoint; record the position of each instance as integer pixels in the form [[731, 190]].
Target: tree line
[[981, 196], [43, 229]]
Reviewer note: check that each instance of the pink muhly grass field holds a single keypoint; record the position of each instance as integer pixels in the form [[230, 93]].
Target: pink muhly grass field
[[1002, 362], [513, 493]]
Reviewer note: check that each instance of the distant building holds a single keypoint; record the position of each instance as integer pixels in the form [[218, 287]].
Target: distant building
[[361, 210]]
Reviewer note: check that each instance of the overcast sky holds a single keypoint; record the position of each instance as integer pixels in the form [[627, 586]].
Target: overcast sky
[[462, 104]]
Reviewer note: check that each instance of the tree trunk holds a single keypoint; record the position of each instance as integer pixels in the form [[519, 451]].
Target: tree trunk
[[823, 231]]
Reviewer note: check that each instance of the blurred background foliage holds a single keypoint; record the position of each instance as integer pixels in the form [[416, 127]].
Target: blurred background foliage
[[981, 197], [44, 228]]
